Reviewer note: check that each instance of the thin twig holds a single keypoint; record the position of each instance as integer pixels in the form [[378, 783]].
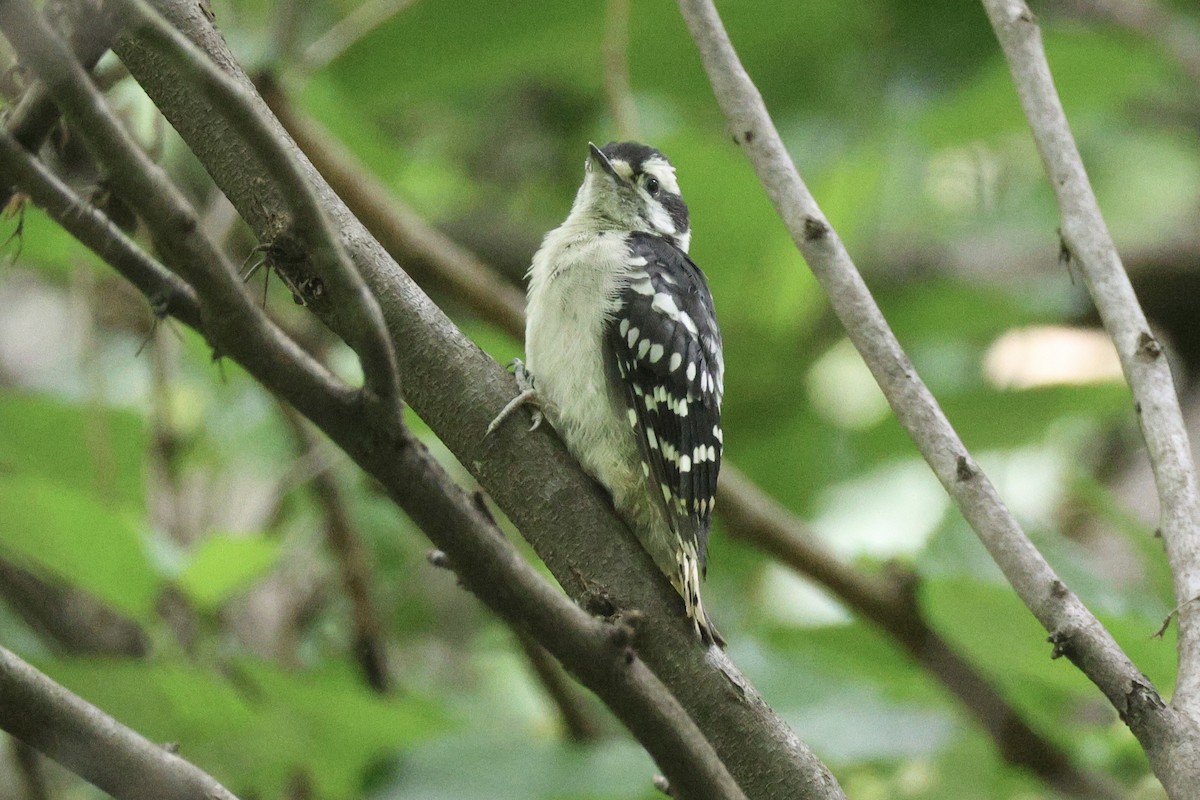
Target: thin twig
[[1146, 369], [368, 643], [92, 744], [364, 327], [348, 31], [168, 294], [617, 14], [1073, 629]]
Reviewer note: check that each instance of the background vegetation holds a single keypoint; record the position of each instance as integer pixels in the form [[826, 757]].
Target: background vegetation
[[166, 526]]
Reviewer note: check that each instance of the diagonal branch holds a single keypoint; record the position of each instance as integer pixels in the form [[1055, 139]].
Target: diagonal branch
[[433, 259], [362, 322], [83, 738], [35, 115], [1146, 370], [1073, 629], [169, 295]]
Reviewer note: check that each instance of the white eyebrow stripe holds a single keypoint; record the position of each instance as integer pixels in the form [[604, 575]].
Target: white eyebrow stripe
[[662, 169]]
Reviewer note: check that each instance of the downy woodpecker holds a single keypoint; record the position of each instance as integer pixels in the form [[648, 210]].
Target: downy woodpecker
[[623, 355]]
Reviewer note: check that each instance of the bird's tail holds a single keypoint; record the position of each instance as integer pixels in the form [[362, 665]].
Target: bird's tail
[[687, 582]]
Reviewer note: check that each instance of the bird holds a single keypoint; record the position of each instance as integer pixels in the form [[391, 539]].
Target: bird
[[623, 356]]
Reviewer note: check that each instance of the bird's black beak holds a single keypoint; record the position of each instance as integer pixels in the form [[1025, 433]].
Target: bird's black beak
[[599, 159]]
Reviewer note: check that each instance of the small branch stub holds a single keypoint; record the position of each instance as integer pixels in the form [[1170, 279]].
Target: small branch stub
[[1148, 347], [814, 229], [1061, 642], [964, 471]]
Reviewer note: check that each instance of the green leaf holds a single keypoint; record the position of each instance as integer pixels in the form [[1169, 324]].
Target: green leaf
[[87, 447], [66, 533], [223, 564]]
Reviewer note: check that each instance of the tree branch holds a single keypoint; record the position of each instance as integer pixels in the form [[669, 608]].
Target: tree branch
[[457, 390], [1073, 629], [308, 235], [169, 295], [369, 644], [35, 115], [228, 315], [434, 260], [1146, 369], [92, 744]]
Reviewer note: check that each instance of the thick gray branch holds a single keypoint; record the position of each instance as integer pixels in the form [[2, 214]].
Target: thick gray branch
[[1146, 369], [1073, 629]]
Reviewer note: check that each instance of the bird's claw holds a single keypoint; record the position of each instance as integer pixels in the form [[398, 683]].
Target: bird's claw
[[527, 396]]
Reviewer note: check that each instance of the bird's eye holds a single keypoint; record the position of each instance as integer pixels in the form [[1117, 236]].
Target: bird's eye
[[652, 186]]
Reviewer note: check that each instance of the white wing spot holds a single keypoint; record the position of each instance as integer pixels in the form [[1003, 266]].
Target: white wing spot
[[632, 337], [685, 464], [641, 284], [688, 323], [691, 371], [632, 418], [643, 347], [676, 360], [623, 328], [651, 439], [645, 469], [665, 304], [683, 408], [666, 493], [712, 454], [656, 353]]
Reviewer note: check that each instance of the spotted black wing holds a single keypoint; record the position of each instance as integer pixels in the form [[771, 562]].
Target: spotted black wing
[[666, 347]]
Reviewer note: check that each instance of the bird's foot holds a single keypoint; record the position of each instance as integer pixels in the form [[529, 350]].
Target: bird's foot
[[527, 396]]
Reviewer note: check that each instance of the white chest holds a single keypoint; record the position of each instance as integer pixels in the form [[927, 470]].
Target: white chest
[[575, 282]]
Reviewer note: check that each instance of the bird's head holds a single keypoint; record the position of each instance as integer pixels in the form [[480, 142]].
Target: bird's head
[[629, 186]]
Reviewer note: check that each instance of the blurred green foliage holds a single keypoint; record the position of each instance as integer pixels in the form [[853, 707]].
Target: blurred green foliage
[[139, 472]]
